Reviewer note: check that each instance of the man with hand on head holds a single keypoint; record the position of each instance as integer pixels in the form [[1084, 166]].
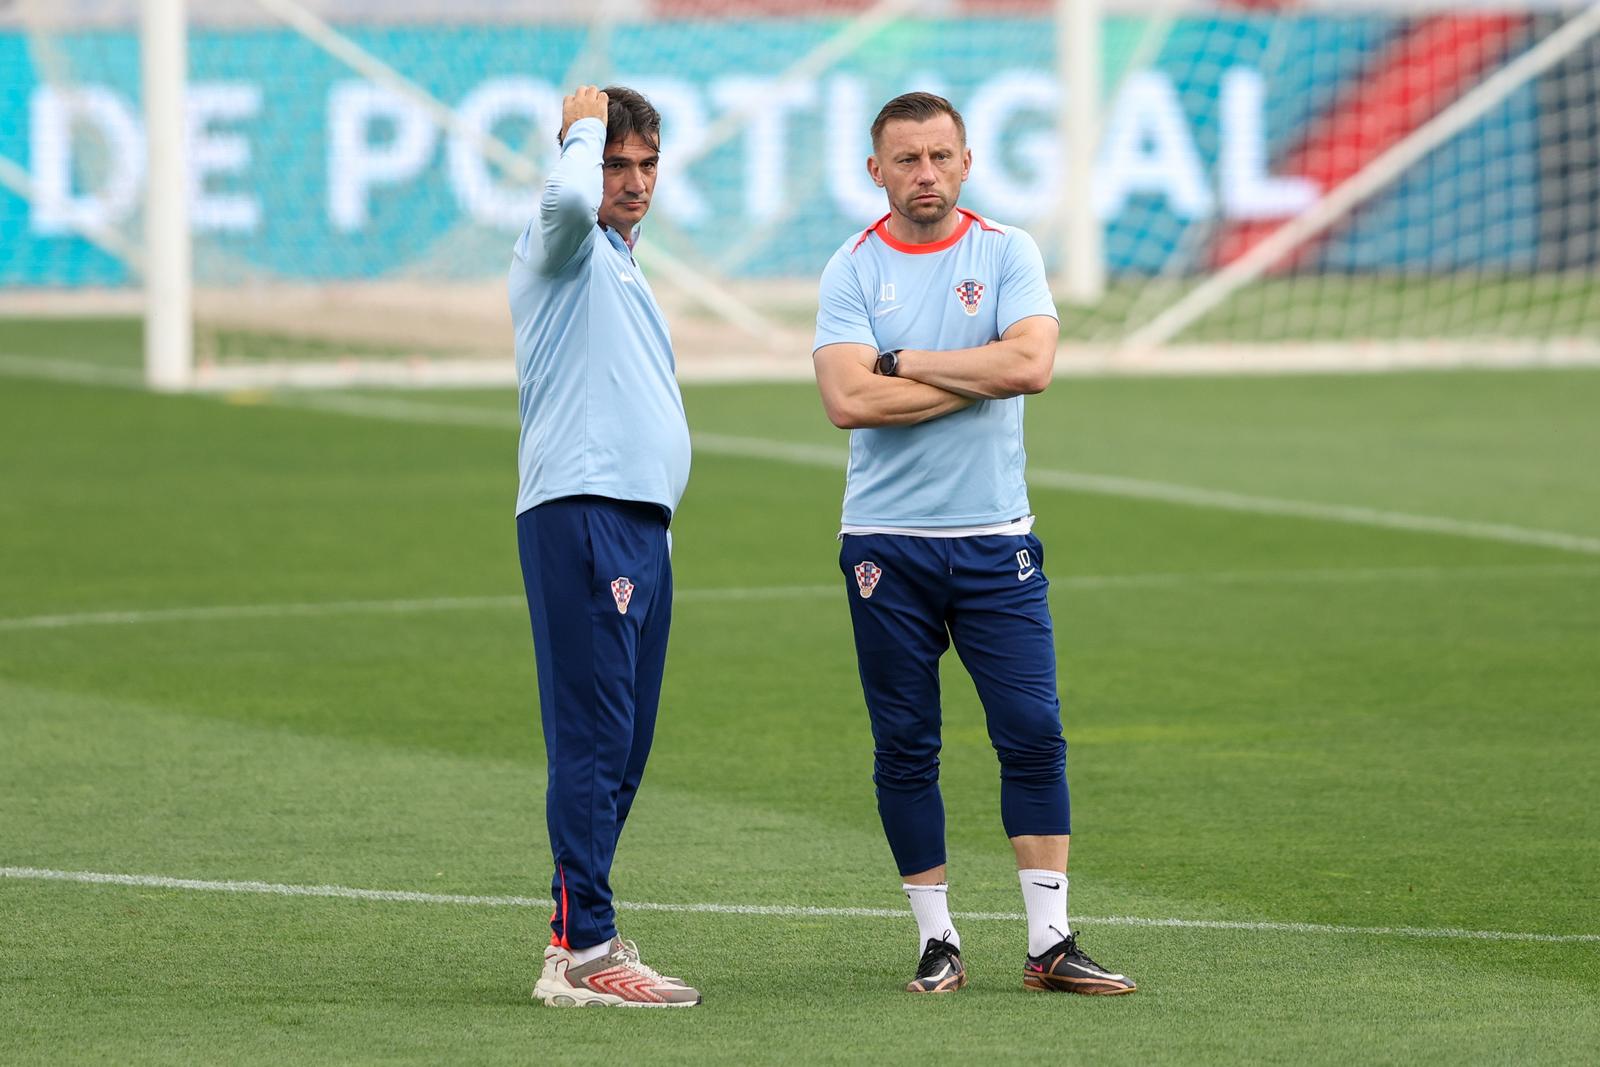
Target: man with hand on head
[[932, 325], [603, 461]]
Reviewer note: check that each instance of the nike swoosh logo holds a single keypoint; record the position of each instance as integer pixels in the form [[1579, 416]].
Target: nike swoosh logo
[[1041, 885], [888, 310], [1023, 576]]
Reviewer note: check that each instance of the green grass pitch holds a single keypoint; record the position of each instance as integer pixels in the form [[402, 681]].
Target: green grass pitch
[[1278, 724]]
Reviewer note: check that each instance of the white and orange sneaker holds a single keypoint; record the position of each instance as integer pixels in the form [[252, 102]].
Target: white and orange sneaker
[[619, 979]]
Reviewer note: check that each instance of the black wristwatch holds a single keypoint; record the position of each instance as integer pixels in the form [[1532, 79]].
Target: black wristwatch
[[889, 363]]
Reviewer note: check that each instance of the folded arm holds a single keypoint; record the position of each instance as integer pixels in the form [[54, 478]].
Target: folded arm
[[856, 397], [1020, 362]]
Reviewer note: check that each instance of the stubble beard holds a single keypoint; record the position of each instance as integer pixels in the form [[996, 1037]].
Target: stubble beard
[[927, 213], [622, 219]]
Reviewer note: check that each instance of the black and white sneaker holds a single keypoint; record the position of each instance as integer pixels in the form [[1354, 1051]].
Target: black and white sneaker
[[1064, 968], [940, 969]]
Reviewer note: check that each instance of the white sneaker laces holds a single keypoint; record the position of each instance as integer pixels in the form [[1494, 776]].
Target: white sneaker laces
[[630, 954]]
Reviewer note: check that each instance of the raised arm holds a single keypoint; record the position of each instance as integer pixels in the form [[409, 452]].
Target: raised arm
[[1020, 362], [855, 397], [569, 205]]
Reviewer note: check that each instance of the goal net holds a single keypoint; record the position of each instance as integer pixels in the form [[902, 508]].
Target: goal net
[[332, 196], [1341, 184]]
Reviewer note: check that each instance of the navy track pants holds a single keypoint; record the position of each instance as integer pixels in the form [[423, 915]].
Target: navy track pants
[[598, 576], [910, 599]]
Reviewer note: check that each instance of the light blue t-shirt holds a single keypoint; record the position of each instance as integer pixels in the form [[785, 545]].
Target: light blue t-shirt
[[965, 468], [601, 411]]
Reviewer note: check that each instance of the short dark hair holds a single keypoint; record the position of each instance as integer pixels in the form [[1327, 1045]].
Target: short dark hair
[[627, 111], [917, 107]]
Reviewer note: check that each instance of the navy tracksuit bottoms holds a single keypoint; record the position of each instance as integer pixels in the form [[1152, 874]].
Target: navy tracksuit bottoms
[[910, 599], [598, 576]]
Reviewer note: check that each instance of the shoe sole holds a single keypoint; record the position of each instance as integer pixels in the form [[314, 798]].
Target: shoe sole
[[567, 996], [1083, 986], [948, 985]]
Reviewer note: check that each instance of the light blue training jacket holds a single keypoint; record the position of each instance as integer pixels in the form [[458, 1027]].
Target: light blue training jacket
[[601, 410]]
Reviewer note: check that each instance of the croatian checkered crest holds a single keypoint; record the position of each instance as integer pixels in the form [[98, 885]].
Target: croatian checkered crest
[[867, 575], [969, 292], [622, 592]]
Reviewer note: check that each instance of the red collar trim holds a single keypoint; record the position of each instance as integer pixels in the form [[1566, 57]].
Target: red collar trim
[[881, 228]]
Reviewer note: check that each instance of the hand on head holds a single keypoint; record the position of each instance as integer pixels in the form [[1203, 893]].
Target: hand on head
[[586, 102]]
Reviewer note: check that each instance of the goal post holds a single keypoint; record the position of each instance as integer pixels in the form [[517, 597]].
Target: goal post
[[1078, 56], [168, 275]]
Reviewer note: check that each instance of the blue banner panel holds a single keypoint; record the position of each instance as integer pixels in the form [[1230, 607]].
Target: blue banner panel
[[301, 170]]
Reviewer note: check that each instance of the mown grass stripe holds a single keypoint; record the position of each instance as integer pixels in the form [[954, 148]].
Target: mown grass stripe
[[414, 605], [835, 458], [734, 594]]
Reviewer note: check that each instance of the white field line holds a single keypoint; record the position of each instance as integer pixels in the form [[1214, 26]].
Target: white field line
[[66, 370], [257, 611], [1187, 495], [1167, 493], [835, 458], [736, 594], [397, 409], [151, 881], [370, 607]]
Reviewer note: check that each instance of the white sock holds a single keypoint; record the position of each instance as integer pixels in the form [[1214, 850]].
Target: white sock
[[580, 956], [1044, 895], [931, 905]]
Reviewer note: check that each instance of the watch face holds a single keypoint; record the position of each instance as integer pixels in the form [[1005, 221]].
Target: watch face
[[888, 363]]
